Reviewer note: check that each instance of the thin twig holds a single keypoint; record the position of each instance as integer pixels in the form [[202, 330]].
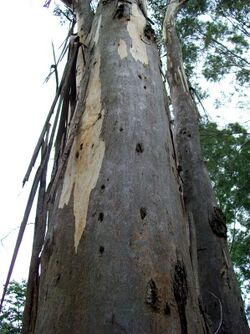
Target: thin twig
[[10, 232]]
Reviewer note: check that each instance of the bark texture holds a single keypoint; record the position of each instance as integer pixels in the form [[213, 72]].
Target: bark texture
[[217, 281], [116, 256]]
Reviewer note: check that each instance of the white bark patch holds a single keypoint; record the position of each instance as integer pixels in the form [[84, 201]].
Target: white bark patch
[[122, 49], [86, 156], [79, 70], [97, 31], [135, 28]]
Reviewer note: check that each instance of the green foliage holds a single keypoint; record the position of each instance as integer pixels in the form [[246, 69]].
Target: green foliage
[[11, 315], [227, 153]]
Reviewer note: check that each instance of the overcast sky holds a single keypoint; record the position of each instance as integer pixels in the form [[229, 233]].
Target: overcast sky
[[27, 31]]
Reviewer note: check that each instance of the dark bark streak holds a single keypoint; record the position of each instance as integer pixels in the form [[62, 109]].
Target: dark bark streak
[[31, 303], [181, 293]]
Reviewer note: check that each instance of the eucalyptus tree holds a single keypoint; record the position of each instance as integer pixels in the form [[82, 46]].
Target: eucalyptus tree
[[11, 317], [133, 231]]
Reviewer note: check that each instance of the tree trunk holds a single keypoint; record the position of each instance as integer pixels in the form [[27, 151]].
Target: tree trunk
[[217, 281], [116, 256]]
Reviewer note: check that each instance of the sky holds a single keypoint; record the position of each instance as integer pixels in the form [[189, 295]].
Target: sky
[[25, 59]]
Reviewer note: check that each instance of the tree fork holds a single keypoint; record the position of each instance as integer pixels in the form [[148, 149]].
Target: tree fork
[[217, 281]]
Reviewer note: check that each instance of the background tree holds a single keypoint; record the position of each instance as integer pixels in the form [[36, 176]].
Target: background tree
[[12, 312]]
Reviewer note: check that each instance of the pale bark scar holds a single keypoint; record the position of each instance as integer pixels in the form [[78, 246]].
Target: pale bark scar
[[135, 28], [122, 49], [86, 156]]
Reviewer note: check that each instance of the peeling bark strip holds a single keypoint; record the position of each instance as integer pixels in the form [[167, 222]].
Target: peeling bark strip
[[200, 202], [88, 149]]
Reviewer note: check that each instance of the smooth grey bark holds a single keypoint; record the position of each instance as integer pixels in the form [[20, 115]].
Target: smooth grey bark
[[217, 281], [116, 256]]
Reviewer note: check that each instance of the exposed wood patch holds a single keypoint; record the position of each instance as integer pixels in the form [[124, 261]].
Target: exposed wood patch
[[86, 156], [135, 28], [122, 49]]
